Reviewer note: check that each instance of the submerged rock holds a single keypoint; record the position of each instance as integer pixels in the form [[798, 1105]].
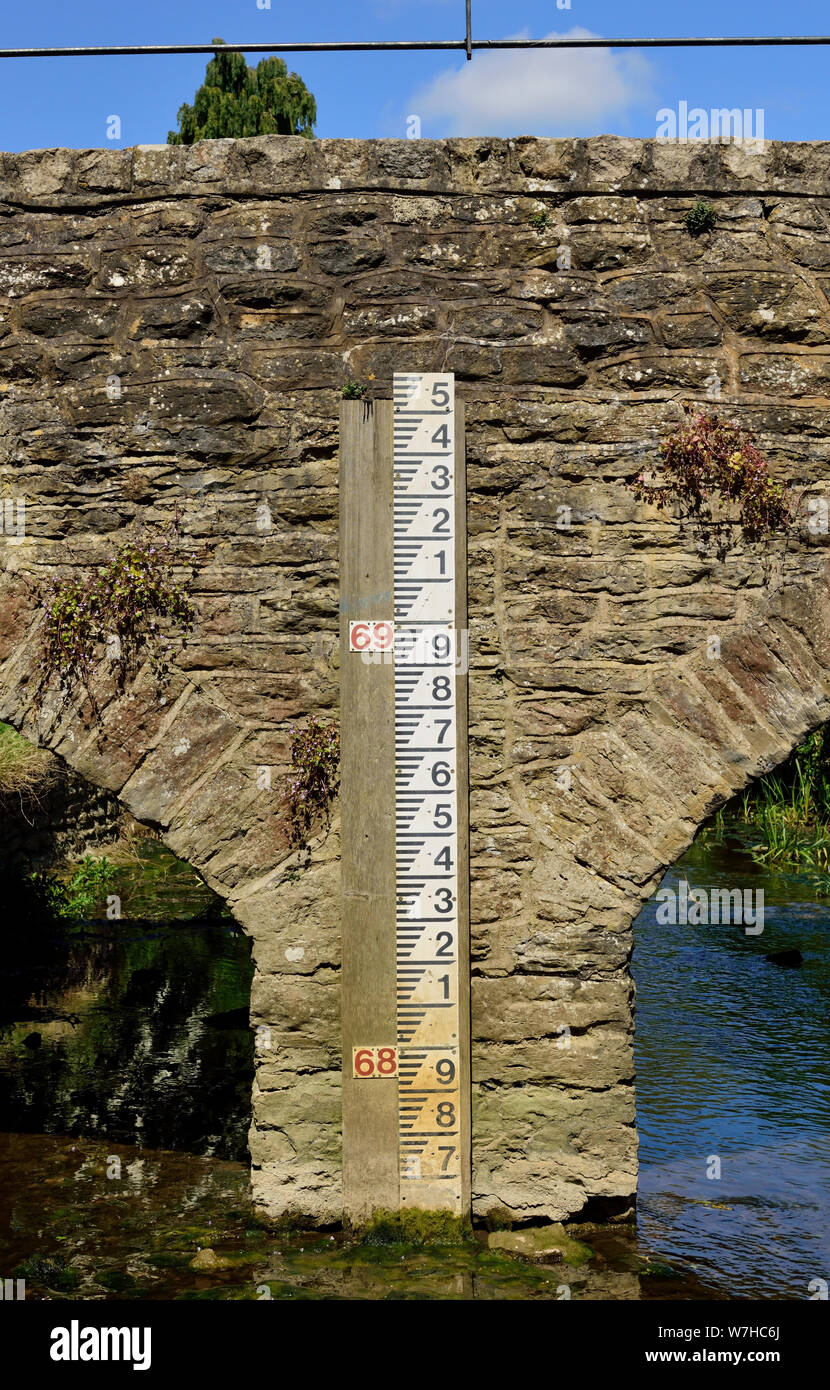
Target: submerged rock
[[208, 1259], [541, 1243], [785, 957]]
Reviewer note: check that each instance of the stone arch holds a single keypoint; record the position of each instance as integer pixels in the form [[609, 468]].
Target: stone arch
[[641, 782], [187, 765], [708, 726], [640, 786]]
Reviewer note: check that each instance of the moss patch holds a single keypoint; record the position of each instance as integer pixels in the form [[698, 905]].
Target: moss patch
[[699, 219], [51, 1271], [498, 1219], [415, 1227], [541, 1243]]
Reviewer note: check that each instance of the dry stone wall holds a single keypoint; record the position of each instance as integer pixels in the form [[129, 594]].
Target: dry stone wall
[[176, 326]]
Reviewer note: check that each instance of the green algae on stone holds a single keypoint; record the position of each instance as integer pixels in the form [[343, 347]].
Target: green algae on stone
[[185, 1238], [499, 1219], [157, 1238], [207, 1259], [53, 1271], [541, 1243], [655, 1269], [288, 1221], [168, 1259], [415, 1226]]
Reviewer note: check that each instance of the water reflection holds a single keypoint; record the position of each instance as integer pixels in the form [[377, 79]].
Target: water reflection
[[133, 1030]]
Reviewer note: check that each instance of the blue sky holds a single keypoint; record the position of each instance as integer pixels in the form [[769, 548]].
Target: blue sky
[[49, 102]]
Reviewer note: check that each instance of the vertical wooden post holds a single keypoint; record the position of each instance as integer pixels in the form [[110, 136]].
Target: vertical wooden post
[[367, 799], [462, 718], [371, 1154]]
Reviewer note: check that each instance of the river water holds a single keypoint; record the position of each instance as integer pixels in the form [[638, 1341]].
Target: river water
[[126, 1064], [733, 1064]]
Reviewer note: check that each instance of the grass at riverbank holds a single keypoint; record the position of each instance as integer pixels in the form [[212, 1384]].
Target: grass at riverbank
[[787, 812], [24, 769]]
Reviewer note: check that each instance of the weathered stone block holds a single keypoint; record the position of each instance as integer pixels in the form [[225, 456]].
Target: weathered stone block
[[152, 268], [769, 304], [171, 318], [19, 276], [52, 318], [199, 734]]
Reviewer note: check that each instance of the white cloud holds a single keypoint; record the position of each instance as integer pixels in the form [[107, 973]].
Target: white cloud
[[534, 91]]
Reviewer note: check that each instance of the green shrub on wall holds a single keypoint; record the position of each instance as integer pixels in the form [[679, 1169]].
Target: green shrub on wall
[[700, 219], [134, 607]]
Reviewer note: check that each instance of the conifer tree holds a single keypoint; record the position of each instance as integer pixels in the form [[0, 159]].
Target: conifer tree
[[236, 100]]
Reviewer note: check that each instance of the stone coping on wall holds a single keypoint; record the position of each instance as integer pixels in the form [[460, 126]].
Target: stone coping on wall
[[275, 165]]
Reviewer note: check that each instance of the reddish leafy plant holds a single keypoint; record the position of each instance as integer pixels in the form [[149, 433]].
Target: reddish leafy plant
[[708, 457], [313, 780]]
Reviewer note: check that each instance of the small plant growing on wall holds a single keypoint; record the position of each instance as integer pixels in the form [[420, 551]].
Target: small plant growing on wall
[[133, 607], [538, 220], [353, 390], [709, 458], [699, 219], [313, 780]]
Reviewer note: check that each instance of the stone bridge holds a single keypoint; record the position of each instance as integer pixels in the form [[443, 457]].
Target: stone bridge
[[176, 326]]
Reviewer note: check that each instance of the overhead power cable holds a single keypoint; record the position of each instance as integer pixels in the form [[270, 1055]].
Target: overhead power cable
[[467, 44]]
